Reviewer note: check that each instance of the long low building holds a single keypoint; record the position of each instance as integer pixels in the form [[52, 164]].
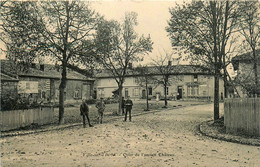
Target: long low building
[[40, 82], [186, 82]]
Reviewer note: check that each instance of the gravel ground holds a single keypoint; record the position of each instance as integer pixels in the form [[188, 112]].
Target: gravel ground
[[166, 138]]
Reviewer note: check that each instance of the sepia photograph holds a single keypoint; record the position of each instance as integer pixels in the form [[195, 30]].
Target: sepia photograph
[[130, 83]]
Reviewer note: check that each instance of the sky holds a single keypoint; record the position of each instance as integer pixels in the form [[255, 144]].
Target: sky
[[152, 19]]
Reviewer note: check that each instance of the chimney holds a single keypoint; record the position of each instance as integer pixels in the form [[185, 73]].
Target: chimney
[[42, 67], [169, 63]]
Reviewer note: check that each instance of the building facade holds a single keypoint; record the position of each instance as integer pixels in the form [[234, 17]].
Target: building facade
[[245, 79], [8, 87], [188, 84], [40, 83]]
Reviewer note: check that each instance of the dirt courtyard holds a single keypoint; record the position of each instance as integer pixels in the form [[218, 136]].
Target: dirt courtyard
[[166, 138]]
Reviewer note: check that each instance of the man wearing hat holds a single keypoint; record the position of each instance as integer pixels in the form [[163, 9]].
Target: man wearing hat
[[128, 107], [84, 111]]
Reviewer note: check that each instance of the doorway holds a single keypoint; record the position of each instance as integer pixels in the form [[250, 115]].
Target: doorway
[[143, 94], [126, 92], [179, 96]]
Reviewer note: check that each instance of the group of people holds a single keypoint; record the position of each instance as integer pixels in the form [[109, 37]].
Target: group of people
[[100, 105]]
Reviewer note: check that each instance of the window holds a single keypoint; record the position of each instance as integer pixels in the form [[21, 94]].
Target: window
[[76, 94], [167, 90], [101, 92], [126, 92], [195, 78], [57, 93], [39, 93], [196, 90], [27, 85], [193, 90], [136, 80], [43, 95], [189, 91], [136, 92], [204, 93], [150, 91], [180, 78]]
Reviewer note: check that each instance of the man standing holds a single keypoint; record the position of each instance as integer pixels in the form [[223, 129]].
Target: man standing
[[128, 107], [84, 110], [101, 108], [123, 105]]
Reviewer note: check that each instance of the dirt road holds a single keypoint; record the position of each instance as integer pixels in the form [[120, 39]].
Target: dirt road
[[166, 138]]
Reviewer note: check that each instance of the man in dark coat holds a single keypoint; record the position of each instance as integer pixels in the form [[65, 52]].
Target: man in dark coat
[[84, 111], [128, 107]]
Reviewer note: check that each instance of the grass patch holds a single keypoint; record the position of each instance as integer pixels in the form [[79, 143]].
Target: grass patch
[[72, 114]]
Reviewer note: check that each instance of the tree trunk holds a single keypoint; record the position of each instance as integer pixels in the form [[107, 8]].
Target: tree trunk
[[225, 78], [216, 96], [120, 88], [225, 85], [64, 68], [146, 87], [61, 97], [217, 61], [165, 96], [223, 52], [255, 71]]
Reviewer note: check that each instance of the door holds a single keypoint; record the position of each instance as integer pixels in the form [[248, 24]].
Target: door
[[126, 92], [143, 94], [179, 96], [86, 91]]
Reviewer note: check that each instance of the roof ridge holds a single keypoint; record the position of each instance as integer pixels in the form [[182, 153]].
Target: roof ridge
[[49, 71]]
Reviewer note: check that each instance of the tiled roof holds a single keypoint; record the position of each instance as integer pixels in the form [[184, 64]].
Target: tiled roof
[[152, 70], [5, 77], [246, 56], [50, 71]]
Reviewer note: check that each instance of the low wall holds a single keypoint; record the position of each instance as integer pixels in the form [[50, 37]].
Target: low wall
[[20, 118], [242, 115]]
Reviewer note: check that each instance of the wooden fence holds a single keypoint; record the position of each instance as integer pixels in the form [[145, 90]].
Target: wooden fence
[[20, 118], [242, 115]]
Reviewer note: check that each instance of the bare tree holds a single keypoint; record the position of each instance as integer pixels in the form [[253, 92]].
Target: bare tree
[[118, 45], [250, 31], [145, 78], [61, 29], [203, 29], [69, 25], [164, 67]]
